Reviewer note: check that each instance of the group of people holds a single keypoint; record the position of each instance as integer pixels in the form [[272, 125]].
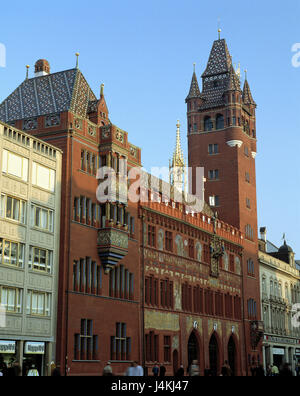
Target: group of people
[[159, 370], [12, 369], [134, 370], [283, 371]]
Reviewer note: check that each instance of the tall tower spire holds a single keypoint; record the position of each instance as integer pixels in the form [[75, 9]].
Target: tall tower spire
[[177, 164]]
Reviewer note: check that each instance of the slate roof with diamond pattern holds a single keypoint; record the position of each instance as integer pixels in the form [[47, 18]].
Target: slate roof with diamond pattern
[[53, 93], [219, 76], [194, 89], [219, 60]]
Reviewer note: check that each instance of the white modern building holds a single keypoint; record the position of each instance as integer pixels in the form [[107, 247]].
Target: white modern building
[[280, 294], [30, 199]]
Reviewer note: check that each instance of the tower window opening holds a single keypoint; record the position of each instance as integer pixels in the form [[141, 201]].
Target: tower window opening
[[208, 125], [220, 121]]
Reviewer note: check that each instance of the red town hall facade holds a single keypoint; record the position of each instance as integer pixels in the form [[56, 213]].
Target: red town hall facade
[[152, 281]]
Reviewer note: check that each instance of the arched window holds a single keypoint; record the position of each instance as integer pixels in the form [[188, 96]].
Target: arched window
[[208, 126], [220, 121]]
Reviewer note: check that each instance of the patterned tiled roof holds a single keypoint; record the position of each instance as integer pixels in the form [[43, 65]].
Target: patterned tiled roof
[[53, 93], [247, 96], [219, 61], [218, 77], [194, 90]]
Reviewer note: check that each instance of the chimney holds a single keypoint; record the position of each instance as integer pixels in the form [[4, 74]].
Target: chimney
[[42, 68], [263, 234]]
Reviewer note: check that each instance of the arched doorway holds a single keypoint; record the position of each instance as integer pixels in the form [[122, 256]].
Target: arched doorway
[[232, 355], [214, 356], [193, 349]]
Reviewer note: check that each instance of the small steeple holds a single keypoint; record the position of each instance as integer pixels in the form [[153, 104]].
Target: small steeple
[[233, 83], [247, 95], [194, 89]]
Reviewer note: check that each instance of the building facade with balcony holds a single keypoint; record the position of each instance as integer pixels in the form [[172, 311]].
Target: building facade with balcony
[[280, 292], [30, 188]]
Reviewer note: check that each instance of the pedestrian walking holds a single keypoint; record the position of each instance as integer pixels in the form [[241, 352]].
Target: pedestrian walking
[[3, 367], [33, 372], [129, 371], [226, 370], [107, 371], [56, 372], [162, 371], [155, 370], [180, 371], [194, 370], [17, 369], [138, 370], [269, 371], [275, 371]]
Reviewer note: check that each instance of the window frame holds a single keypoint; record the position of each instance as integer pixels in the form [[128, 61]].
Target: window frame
[[40, 267], [20, 248], [18, 299]]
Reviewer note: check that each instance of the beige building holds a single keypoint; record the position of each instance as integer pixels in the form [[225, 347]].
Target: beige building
[[280, 292], [30, 199]]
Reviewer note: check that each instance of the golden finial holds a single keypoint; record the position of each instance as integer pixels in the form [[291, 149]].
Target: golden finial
[[102, 91], [77, 61], [246, 71], [27, 71], [194, 65], [219, 28]]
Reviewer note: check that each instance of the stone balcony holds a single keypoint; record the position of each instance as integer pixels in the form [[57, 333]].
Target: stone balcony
[[112, 246]]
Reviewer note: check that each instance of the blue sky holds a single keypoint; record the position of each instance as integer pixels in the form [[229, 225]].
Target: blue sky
[[144, 53]]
